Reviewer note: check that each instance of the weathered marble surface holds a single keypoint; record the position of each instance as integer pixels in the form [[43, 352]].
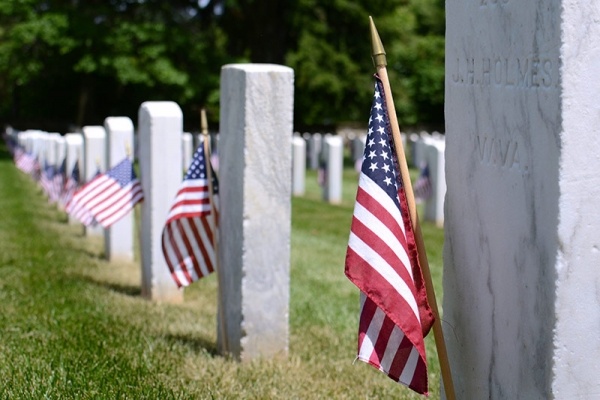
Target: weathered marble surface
[[94, 160], [160, 125], [255, 220], [521, 276], [118, 238]]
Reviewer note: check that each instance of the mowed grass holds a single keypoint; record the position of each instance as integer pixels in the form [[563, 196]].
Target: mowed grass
[[74, 326]]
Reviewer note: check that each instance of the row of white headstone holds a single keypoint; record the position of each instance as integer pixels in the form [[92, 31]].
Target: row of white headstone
[[325, 152], [254, 198]]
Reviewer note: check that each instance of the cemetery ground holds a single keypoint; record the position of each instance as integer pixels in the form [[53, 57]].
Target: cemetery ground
[[75, 326]]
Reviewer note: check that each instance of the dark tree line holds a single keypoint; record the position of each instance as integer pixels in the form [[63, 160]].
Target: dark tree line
[[73, 62]]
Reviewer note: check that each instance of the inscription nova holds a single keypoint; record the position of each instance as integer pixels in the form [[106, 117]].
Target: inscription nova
[[520, 72], [500, 153]]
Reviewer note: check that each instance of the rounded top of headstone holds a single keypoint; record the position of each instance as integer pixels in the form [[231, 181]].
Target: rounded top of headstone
[[260, 68], [59, 139], [333, 139], [118, 123], [161, 109], [94, 131], [297, 140], [73, 137]]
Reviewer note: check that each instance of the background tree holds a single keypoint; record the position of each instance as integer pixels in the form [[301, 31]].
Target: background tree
[[73, 62]]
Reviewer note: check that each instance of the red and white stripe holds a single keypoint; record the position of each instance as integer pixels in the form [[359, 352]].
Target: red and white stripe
[[104, 201], [189, 236], [378, 262]]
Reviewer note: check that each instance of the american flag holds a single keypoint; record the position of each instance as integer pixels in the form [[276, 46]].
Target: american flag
[[71, 185], [47, 180], [382, 261], [26, 162], [58, 182], [189, 235], [422, 187], [108, 197]]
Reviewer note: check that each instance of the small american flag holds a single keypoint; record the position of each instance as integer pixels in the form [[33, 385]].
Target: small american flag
[[71, 185], [58, 182], [189, 235], [26, 162], [382, 261], [422, 187], [47, 180], [108, 197]]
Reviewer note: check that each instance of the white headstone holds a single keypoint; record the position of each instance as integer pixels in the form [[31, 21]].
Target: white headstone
[[435, 160], [412, 139], [50, 149], [419, 149], [36, 144], [358, 151], [60, 151], [313, 150], [94, 148], [522, 250], [160, 129], [255, 195], [74, 151], [118, 238], [298, 165], [187, 150], [74, 155], [333, 154]]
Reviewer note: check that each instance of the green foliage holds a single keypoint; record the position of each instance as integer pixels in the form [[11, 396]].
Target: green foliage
[[94, 59]]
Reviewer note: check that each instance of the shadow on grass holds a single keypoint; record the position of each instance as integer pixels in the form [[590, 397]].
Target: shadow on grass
[[127, 290], [194, 343]]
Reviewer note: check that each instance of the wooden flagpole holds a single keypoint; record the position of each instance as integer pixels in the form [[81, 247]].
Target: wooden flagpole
[[209, 173], [380, 63]]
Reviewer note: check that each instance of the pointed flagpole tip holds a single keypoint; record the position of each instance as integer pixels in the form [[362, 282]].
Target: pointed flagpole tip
[[203, 122], [378, 54]]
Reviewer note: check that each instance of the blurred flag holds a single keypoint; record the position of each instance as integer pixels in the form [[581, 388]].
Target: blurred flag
[[422, 187], [47, 180], [382, 261], [71, 185], [108, 197], [58, 182], [189, 235], [26, 162]]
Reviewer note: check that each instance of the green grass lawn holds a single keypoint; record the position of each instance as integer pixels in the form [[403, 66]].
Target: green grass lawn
[[73, 326]]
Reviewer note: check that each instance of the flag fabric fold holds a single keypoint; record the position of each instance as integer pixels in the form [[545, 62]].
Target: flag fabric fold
[[189, 234], [108, 197], [382, 261]]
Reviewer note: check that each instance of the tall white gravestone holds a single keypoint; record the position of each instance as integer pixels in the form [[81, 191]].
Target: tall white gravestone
[[160, 128], [522, 248], [187, 150], [94, 148], [74, 150], [118, 238], [435, 148], [74, 155], [333, 154], [60, 145], [298, 165], [255, 219]]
